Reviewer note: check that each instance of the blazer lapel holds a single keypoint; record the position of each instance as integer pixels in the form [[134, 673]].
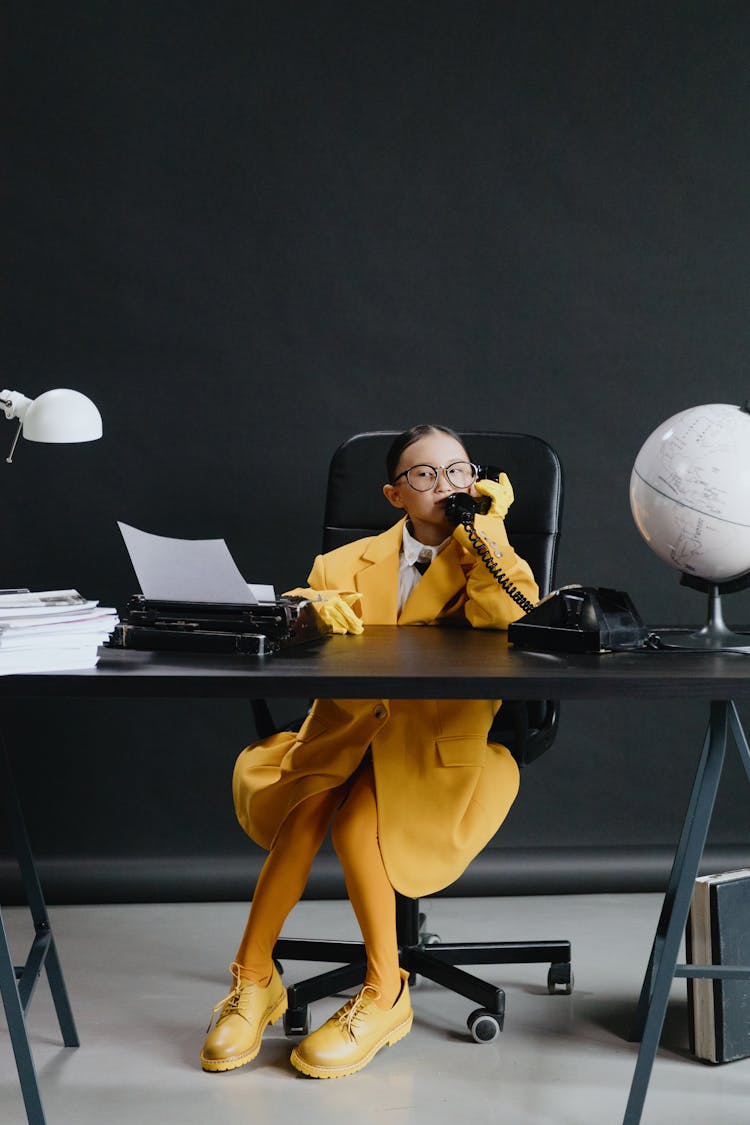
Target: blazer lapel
[[378, 580], [440, 583]]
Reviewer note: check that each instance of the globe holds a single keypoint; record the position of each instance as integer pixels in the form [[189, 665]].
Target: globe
[[690, 492]]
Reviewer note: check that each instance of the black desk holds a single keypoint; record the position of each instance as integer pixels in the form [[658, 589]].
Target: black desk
[[412, 663], [400, 663]]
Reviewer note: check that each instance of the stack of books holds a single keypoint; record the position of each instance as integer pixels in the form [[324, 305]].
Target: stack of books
[[51, 631], [718, 933]]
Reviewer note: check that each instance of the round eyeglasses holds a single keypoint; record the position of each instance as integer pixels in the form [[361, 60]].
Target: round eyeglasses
[[423, 478]]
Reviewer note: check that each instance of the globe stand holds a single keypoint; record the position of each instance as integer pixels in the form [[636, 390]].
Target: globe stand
[[715, 636]]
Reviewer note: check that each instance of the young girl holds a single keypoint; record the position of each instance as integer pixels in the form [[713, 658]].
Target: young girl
[[411, 789]]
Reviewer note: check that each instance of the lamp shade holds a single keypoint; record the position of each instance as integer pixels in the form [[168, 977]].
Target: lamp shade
[[62, 416]]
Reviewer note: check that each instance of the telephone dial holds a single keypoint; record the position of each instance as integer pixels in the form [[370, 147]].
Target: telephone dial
[[572, 619]]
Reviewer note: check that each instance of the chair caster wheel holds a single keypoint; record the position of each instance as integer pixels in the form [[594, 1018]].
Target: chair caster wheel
[[297, 1021], [484, 1025], [560, 978]]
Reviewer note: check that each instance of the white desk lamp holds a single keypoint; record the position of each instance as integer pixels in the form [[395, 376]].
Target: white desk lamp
[[56, 416]]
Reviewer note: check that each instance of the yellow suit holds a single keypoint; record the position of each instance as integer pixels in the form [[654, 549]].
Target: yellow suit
[[442, 789]]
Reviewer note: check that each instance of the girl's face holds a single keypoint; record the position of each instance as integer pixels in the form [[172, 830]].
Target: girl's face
[[426, 509]]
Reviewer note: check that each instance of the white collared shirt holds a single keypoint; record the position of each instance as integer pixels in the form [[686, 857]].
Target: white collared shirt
[[412, 551]]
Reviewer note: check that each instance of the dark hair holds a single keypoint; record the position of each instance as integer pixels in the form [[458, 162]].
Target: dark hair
[[408, 437]]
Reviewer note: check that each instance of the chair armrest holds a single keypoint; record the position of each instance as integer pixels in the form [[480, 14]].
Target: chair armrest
[[528, 729]]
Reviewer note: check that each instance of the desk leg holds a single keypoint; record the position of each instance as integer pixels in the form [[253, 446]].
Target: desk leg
[[744, 752], [701, 804], [18, 984], [35, 898], [14, 1014], [739, 738], [644, 1000]]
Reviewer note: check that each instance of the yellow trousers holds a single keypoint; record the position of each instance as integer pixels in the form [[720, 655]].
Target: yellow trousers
[[351, 812]]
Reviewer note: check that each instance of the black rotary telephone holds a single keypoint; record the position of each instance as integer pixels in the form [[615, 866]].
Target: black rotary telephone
[[460, 508]]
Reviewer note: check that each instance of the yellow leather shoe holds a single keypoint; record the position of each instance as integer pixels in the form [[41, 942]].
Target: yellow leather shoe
[[243, 1017], [352, 1037]]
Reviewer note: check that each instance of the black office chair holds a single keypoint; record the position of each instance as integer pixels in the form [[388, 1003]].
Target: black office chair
[[355, 507]]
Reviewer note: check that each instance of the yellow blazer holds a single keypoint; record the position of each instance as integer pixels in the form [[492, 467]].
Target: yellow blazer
[[442, 789]]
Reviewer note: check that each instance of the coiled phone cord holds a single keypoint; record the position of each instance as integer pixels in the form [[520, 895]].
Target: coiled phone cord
[[499, 575]]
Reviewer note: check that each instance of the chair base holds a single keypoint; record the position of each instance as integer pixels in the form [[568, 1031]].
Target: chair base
[[425, 955]]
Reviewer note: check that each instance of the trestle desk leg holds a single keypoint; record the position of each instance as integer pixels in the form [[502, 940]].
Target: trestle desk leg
[[744, 752], [18, 984], [35, 899], [739, 738], [707, 783], [14, 1014], [641, 1011]]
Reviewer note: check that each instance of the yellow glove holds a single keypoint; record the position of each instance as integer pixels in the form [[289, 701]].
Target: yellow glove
[[338, 615], [500, 493], [339, 611]]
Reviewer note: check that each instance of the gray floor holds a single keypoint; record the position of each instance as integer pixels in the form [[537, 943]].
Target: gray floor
[[143, 981]]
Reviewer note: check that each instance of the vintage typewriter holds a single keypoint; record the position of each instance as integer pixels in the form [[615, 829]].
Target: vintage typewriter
[[260, 629]]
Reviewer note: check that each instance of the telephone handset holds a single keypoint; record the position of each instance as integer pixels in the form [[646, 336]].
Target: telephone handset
[[460, 508]]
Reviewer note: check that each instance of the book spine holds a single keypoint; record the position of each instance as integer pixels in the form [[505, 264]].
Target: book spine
[[689, 959], [700, 989], [717, 986]]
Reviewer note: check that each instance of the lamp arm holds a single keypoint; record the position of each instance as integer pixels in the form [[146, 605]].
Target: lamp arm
[[19, 431], [14, 405]]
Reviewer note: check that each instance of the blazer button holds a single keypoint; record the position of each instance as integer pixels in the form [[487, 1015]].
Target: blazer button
[[380, 712]]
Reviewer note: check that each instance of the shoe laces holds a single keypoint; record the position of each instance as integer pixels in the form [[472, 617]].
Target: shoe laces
[[231, 1002], [351, 1013]]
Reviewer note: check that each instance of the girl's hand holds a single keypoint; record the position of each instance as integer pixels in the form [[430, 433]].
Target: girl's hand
[[338, 613], [500, 493], [339, 610]]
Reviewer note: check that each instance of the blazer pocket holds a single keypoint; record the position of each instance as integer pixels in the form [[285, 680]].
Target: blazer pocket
[[458, 750]]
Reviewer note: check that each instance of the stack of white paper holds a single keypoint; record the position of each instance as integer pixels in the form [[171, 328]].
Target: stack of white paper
[[51, 630]]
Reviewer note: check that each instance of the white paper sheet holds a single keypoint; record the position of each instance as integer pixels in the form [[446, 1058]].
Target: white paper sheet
[[185, 570], [262, 592]]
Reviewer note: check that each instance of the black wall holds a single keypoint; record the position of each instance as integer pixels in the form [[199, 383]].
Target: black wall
[[247, 230]]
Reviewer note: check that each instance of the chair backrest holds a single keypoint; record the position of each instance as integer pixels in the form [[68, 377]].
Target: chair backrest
[[356, 507]]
